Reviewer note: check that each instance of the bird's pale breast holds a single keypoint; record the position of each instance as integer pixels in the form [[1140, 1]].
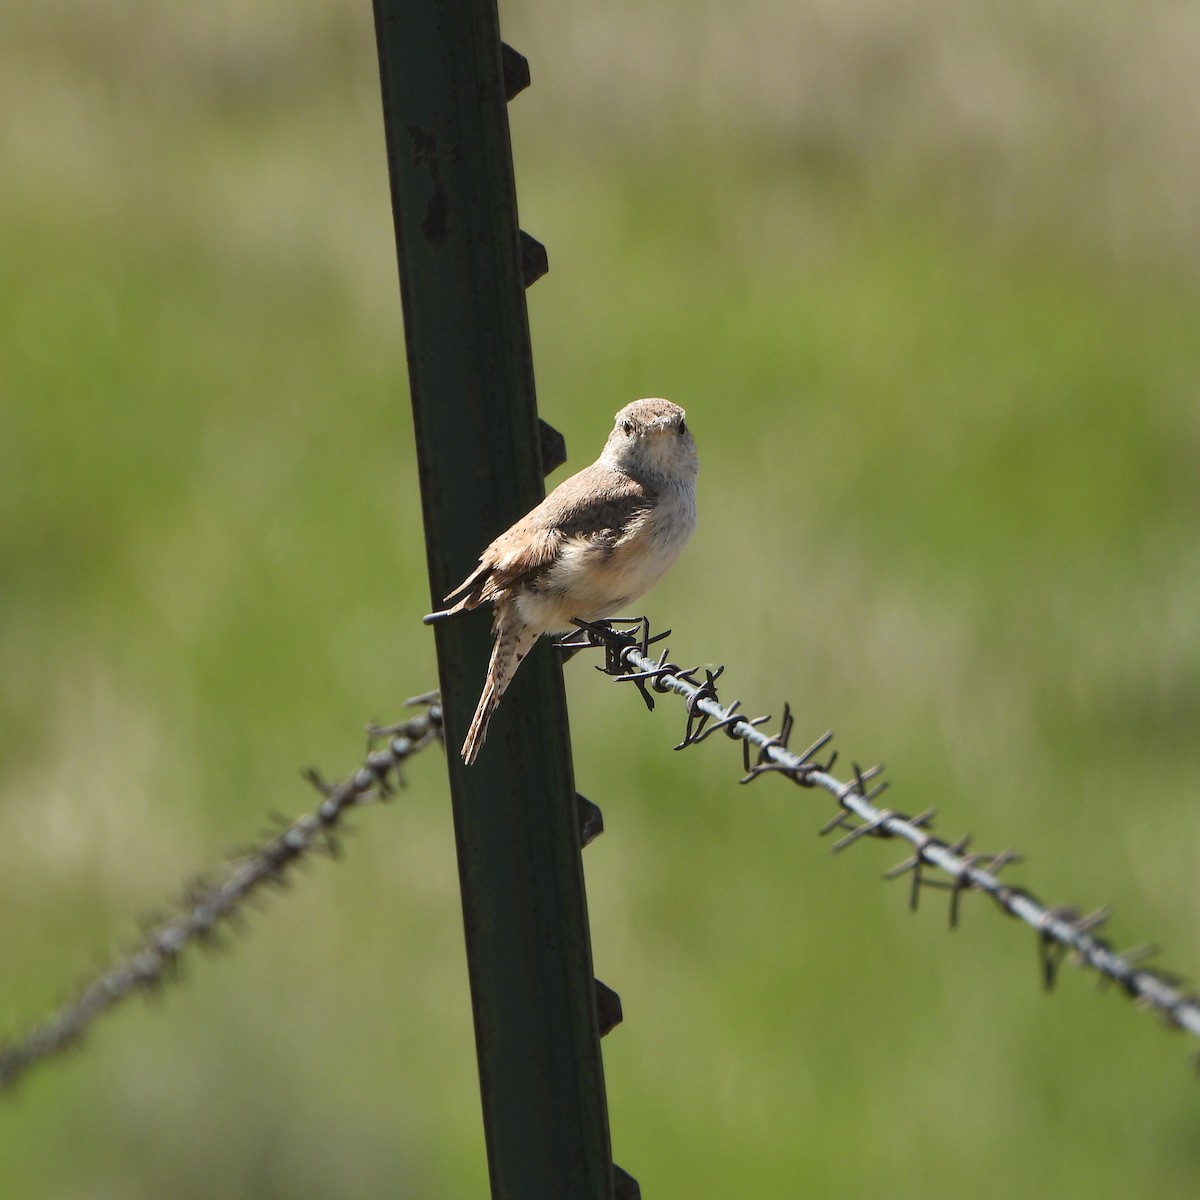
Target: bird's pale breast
[[593, 579]]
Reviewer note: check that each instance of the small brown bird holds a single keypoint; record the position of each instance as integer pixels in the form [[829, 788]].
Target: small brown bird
[[599, 541]]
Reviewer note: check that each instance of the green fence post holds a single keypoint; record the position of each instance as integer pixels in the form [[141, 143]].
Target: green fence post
[[470, 367]]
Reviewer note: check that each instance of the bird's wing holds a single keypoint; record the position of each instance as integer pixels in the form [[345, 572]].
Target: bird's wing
[[476, 577], [596, 503], [600, 507]]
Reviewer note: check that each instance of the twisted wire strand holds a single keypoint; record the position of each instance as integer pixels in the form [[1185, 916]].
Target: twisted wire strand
[[1061, 930], [215, 900], [218, 898]]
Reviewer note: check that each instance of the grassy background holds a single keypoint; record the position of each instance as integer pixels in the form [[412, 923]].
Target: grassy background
[[925, 278]]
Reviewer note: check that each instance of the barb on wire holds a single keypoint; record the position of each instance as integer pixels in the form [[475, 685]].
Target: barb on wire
[[1062, 931], [214, 901]]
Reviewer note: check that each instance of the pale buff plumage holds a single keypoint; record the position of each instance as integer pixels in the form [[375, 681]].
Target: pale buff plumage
[[598, 542]]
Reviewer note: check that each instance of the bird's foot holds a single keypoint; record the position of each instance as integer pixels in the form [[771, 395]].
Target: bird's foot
[[587, 633]]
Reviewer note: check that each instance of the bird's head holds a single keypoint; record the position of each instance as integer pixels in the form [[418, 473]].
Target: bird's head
[[651, 437]]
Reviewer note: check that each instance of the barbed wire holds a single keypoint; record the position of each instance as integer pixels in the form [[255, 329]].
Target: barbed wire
[[213, 901], [1062, 931]]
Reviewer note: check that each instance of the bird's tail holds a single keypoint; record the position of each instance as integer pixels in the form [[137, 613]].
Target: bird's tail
[[513, 641], [488, 703]]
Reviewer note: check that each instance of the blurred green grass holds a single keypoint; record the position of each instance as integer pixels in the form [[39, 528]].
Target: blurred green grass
[[925, 281]]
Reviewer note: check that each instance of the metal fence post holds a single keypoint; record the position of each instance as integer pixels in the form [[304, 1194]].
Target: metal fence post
[[463, 268]]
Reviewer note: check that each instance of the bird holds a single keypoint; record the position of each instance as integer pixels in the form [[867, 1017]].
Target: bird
[[600, 540]]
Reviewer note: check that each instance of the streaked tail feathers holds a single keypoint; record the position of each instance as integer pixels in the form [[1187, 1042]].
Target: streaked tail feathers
[[513, 639]]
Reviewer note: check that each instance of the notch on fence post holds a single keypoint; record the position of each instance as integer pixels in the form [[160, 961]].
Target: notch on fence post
[[463, 267]]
